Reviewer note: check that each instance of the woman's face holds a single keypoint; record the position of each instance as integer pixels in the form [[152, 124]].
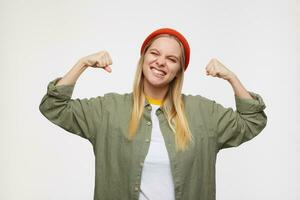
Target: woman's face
[[161, 62]]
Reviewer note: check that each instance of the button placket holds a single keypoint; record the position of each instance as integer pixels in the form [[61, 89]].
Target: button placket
[[149, 107], [136, 188]]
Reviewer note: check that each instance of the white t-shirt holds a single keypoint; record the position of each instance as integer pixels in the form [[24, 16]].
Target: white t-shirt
[[156, 180]]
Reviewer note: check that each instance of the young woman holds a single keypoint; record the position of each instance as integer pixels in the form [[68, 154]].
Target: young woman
[[155, 142]]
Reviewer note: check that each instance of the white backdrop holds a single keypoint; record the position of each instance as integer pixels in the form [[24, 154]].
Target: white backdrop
[[42, 40]]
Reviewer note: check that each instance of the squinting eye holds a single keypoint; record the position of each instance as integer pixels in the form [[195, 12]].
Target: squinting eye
[[174, 61]]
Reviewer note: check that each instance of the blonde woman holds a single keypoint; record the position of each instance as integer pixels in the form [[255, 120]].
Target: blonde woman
[[155, 142]]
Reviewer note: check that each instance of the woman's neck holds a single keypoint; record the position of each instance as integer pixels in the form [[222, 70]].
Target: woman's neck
[[155, 93]]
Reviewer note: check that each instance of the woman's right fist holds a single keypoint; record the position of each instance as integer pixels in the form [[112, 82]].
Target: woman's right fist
[[101, 59]]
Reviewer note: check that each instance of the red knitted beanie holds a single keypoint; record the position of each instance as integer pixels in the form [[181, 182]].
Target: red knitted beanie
[[174, 33]]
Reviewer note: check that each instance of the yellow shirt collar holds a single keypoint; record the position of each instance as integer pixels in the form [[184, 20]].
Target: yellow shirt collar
[[154, 101]]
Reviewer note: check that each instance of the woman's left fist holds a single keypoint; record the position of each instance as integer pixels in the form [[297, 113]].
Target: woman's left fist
[[216, 69]]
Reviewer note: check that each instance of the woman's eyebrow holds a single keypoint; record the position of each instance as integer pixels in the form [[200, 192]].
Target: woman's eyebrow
[[170, 55], [153, 49]]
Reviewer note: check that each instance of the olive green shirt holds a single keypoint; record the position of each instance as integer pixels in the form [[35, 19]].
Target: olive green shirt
[[104, 120]]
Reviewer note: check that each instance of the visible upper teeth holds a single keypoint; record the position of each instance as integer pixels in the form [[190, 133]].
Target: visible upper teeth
[[158, 72]]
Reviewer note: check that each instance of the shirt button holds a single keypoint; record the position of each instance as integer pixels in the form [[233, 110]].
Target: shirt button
[[148, 123], [136, 188], [147, 140], [141, 164], [149, 108]]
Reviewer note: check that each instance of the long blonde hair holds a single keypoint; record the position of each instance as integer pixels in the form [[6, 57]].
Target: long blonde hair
[[173, 106]]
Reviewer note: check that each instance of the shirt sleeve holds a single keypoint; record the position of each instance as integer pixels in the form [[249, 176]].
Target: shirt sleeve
[[78, 116], [233, 128]]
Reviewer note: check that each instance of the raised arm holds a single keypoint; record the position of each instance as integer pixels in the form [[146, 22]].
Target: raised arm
[[77, 116], [101, 59], [232, 128]]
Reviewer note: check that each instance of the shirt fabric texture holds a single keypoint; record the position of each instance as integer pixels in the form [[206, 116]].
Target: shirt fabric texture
[[103, 120]]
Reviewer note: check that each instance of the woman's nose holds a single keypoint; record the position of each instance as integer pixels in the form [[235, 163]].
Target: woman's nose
[[160, 61]]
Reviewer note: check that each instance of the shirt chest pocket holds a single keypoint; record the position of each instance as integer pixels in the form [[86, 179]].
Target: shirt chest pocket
[[205, 138], [119, 148]]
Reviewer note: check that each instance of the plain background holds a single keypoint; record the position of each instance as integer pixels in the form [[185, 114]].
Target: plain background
[[42, 40]]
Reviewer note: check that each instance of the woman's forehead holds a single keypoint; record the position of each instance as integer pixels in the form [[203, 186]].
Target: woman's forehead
[[166, 44]]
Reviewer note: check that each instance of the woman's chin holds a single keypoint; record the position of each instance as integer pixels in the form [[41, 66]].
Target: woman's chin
[[155, 82]]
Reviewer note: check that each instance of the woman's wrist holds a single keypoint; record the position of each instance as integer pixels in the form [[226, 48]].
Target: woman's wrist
[[232, 77], [81, 64]]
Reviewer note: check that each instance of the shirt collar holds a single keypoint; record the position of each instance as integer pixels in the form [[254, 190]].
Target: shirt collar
[[154, 101], [147, 103]]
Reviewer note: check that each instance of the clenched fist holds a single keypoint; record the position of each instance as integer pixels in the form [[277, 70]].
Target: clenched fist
[[101, 59], [216, 69]]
